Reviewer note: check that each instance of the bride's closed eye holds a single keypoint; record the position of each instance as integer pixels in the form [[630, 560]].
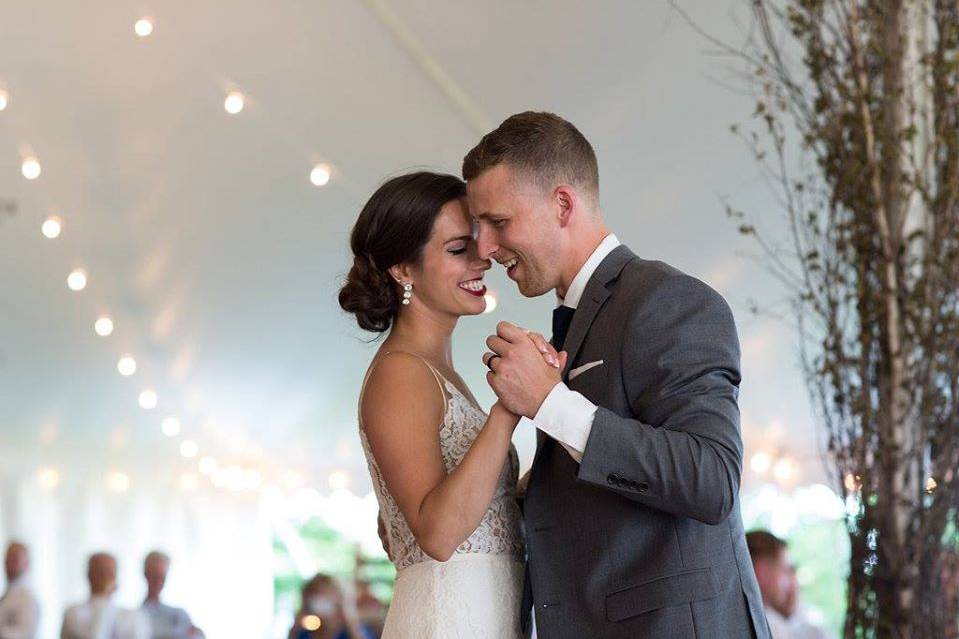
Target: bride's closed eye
[[457, 250]]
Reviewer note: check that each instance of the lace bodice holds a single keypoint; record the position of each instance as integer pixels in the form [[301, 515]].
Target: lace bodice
[[498, 533]]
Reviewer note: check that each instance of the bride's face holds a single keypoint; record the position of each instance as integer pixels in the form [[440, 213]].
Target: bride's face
[[449, 277]]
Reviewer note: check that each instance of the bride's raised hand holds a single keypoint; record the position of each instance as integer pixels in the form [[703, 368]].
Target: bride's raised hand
[[554, 359]]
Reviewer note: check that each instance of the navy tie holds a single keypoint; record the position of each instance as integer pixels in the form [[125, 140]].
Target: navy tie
[[562, 317]]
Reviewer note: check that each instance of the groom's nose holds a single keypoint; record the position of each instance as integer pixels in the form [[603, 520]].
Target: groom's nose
[[485, 242]]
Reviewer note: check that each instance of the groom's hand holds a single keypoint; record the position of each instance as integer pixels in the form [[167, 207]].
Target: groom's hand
[[519, 374]]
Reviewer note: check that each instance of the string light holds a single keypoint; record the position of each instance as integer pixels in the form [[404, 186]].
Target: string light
[[931, 485], [103, 326], [170, 426], [51, 228], [127, 365], [207, 465], [189, 482], [491, 302], [4, 99], [48, 477], [118, 482], [320, 175], [760, 463], [311, 623], [77, 280], [234, 102], [189, 449], [148, 399], [143, 27], [31, 168], [339, 480], [784, 469]]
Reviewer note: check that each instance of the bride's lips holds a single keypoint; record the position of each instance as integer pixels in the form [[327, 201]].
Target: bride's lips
[[476, 288]]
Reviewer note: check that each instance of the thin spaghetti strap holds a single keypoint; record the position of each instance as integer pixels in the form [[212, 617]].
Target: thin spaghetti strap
[[436, 375]]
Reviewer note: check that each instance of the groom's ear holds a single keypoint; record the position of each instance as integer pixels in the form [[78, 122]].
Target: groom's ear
[[565, 201]]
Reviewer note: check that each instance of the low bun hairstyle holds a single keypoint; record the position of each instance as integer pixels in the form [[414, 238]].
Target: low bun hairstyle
[[393, 227]]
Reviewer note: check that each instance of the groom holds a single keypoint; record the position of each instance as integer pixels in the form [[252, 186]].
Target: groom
[[632, 510]]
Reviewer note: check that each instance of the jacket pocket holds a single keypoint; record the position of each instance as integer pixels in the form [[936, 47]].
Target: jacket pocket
[[669, 590]]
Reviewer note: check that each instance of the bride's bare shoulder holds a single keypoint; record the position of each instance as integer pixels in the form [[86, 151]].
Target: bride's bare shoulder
[[401, 386]]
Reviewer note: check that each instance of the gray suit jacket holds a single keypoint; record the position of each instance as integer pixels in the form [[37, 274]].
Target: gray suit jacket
[[645, 538]]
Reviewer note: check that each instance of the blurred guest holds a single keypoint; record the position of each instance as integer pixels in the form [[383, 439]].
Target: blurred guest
[[166, 622], [776, 575], [326, 614], [19, 611], [99, 617]]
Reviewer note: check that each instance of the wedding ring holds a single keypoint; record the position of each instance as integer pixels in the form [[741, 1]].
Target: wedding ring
[[489, 361]]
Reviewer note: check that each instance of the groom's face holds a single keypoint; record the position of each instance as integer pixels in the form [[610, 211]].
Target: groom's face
[[517, 226]]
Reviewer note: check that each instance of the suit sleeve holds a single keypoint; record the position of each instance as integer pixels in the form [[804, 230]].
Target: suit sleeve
[[681, 451]]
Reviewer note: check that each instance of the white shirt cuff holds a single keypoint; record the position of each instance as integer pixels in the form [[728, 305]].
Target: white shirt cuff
[[567, 417]]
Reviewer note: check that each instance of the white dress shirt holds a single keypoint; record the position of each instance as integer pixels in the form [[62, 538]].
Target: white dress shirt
[[566, 415], [19, 611], [100, 618]]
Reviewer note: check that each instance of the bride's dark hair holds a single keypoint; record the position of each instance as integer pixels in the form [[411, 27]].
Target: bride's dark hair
[[392, 228]]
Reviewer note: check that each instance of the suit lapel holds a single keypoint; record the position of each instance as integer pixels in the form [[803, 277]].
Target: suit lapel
[[594, 296], [593, 299]]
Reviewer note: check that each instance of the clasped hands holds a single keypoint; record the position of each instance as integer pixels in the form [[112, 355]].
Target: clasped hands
[[524, 368]]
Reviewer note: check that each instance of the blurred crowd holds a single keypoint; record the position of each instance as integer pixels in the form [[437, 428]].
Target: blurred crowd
[[328, 609], [97, 617]]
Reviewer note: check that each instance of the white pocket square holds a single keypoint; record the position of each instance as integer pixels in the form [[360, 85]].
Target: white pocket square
[[579, 370]]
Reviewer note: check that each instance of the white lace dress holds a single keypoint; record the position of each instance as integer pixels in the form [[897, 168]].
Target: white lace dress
[[477, 592]]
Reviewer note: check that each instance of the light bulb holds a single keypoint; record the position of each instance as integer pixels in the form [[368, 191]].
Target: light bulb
[[148, 400], [170, 426], [31, 168], [491, 302], [103, 326], [127, 365], [320, 175], [234, 103], [77, 280], [143, 27], [51, 228]]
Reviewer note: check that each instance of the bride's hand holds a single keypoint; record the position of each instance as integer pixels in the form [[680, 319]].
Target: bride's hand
[[504, 413], [554, 359]]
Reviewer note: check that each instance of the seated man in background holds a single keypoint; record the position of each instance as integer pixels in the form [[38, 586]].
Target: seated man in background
[[325, 613], [776, 575], [166, 622], [99, 617], [19, 610]]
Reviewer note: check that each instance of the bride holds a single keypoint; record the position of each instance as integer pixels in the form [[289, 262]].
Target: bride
[[443, 471]]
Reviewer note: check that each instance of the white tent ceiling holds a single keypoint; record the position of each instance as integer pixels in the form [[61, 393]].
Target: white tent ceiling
[[219, 261]]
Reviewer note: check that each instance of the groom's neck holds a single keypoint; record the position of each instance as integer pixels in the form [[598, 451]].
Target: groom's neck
[[583, 245]]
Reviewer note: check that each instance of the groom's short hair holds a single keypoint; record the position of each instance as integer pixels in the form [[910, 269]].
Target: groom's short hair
[[543, 147]]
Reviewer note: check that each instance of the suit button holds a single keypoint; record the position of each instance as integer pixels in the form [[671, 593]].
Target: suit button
[[612, 480]]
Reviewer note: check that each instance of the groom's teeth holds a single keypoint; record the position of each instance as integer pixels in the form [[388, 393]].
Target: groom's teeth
[[511, 263]]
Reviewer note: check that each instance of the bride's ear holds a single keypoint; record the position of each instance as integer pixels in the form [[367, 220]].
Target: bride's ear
[[400, 274]]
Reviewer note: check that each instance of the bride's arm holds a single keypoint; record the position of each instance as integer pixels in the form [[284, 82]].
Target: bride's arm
[[402, 414]]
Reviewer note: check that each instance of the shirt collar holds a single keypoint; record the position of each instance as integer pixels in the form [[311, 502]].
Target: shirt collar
[[578, 285]]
